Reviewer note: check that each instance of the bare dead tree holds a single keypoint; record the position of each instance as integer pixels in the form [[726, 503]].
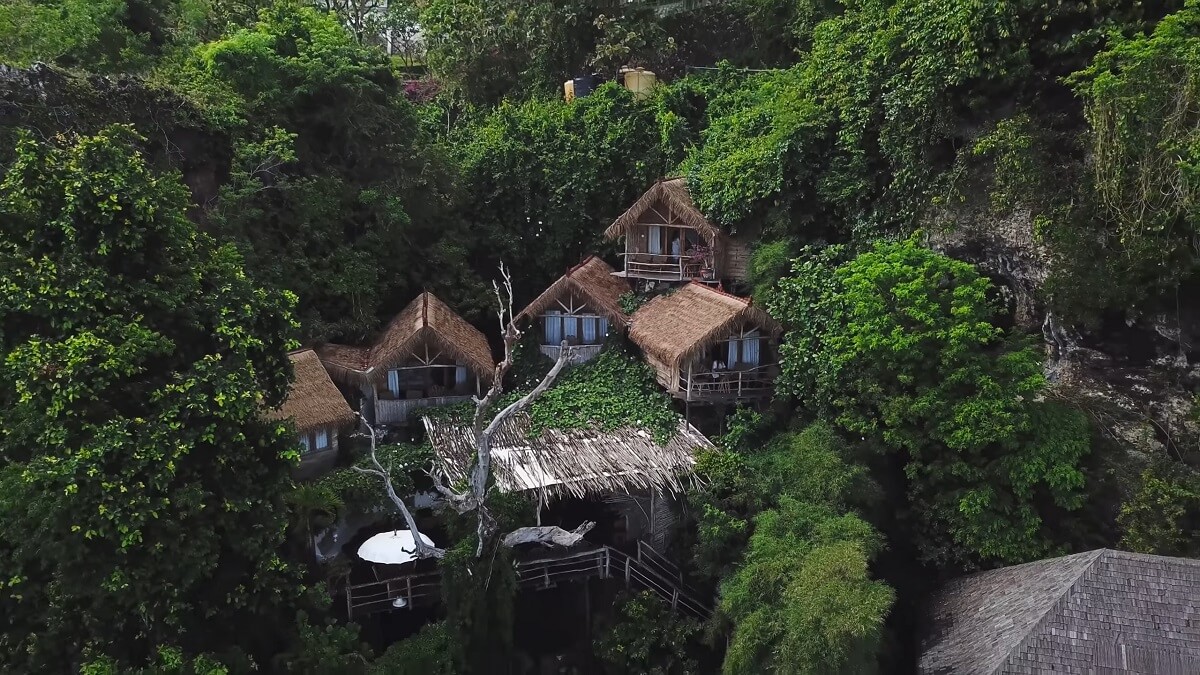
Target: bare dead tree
[[376, 469], [484, 430]]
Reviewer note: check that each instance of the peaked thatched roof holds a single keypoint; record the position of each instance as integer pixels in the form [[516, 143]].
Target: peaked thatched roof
[[313, 401], [1098, 612], [426, 317], [674, 193], [673, 328], [592, 280], [575, 463]]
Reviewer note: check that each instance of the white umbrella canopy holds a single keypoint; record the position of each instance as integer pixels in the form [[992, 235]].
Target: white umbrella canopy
[[395, 547]]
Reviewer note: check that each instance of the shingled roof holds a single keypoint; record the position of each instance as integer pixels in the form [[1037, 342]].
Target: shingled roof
[[675, 327], [592, 280], [425, 318], [674, 193], [313, 401], [1103, 611]]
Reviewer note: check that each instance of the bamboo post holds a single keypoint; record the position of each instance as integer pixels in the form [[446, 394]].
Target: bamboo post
[[628, 562], [349, 603], [674, 598], [607, 562], [408, 591]]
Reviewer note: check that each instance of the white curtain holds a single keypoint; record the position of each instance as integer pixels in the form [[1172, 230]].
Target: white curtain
[[731, 353], [553, 327], [655, 239], [750, 348], [589, 331], [570, 327], [322, 439], [304, 443], [394, 382], [603, 328], [460, 375]]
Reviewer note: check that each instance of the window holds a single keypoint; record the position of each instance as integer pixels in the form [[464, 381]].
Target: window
[[589, 330], [322, 439], [745, 350], [305, 444], [655, 239], [394, 383], [460, 375], [553, 327]]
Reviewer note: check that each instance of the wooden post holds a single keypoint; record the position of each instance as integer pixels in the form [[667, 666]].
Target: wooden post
[[628, 562], [607, 562], [674, 598], [408, 591], [349, 606]]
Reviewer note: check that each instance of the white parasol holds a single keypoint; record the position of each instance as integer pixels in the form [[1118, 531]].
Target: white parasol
[[391, 548]]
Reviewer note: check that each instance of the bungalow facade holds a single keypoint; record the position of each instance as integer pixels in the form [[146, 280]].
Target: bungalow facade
[[667, 239], [317, 410], [707, 346], [428, 355], [582, 307]]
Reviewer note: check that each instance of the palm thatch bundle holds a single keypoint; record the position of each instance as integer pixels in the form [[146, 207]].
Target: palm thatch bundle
[[313, 401], [571, 463], [593, 281], [426, 321], [673, 329], [672, 193]]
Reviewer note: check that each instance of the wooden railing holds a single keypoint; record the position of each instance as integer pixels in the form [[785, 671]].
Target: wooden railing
[[647, 570], [729, 384], [398, 411], [579, 353], [669, 267]]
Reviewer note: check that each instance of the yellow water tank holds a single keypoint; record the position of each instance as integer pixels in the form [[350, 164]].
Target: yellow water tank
[[639, 81], [569, 90]]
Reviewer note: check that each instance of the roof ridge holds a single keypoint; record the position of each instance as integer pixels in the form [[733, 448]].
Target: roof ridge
[[1036, 625], [580, 264], [748, 301]]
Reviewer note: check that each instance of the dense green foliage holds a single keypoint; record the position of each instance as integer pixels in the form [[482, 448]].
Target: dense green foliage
[[1163, 515], [801, 599], [898, 344], [611, 391], [137, 357], [648, 638]]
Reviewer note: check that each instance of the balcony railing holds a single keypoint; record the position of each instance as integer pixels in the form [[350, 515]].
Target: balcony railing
[[578, 353], [664, 267], [728, 385], [398, 411]]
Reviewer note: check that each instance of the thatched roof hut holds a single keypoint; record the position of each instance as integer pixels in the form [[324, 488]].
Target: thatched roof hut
[[672, 192], [677, 327], [665, 208], [592, 281], [426, 321], [313, 401], [574, 463]]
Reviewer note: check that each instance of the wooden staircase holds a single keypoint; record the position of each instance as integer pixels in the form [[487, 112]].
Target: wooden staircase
[[647, 570]]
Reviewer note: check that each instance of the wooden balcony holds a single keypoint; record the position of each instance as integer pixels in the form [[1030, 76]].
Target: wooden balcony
[[398, 412], [656, 267], [728, 385], [578, 353]]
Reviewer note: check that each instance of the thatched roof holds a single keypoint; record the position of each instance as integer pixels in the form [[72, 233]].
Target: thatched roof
[[592, 280], [313, 400], [574, 463], [426, 318], [673, 192], [673, 328]]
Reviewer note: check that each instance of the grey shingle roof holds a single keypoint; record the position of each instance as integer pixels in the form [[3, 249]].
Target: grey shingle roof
[[1103, 611]]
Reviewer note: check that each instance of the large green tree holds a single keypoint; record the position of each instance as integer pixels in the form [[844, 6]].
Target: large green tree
[[899, 344], [779, 522], [140, 490]]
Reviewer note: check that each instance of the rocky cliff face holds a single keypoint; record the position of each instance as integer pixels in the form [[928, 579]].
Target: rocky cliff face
[[1133, 373], [48, 101]]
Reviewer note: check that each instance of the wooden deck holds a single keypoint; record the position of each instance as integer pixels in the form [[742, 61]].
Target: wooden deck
[[647, 570], [400, 411], [729, 385], [579, 353]]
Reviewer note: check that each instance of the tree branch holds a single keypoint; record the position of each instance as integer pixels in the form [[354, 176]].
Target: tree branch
[[423, 550]]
